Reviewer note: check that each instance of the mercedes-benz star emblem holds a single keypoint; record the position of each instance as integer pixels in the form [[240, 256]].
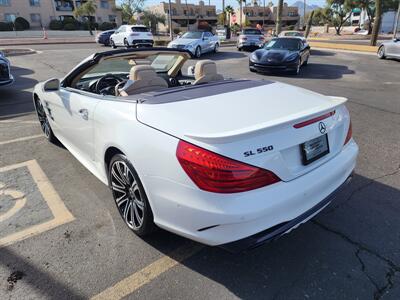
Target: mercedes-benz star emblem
[[322, 127]]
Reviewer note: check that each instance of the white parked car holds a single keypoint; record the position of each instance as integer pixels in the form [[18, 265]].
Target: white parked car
[[132, 36], [190, 155], [196, 42]]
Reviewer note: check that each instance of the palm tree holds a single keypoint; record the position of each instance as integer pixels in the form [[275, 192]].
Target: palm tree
[[241, 11], [229, 11], [377, 22], [279, 17], [88, 9], [151, 19]]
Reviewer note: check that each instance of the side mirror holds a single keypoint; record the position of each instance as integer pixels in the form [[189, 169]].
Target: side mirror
[[51, 85]]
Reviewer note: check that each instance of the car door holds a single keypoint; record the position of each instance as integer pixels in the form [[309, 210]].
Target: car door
[[74, 113], [120, 36], [304, 52], [393, 48], [204, 43]]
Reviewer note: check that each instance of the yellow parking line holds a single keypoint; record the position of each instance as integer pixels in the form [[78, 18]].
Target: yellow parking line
[[60, 212], [133, 282], [21, 139]]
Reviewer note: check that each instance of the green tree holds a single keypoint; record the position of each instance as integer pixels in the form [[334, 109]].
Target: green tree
[[129, 8], [229, 11], [339, 12], [87, 9], [151, 19]]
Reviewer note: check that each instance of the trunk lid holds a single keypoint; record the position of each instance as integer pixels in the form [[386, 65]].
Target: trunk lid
[[235, 117]]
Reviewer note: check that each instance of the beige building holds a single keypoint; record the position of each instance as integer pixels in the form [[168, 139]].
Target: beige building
[[256, 13], [186, 15], [40, 12]]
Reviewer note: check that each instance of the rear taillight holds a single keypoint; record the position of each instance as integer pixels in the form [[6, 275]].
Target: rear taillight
[[215, 173], [314, 120], [349, 134]]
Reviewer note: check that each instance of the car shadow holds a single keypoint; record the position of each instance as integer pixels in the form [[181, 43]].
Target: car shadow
[[314, 259], [223, 55], [314, 52], [17, 97], [316, 71]]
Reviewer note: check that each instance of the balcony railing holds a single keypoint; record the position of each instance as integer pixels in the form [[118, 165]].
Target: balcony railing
[[64, 8]]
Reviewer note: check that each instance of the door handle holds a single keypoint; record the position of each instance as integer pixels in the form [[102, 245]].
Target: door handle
[[84, 113]]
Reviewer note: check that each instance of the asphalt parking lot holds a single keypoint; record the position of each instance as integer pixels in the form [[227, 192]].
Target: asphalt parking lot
[[61, 236]]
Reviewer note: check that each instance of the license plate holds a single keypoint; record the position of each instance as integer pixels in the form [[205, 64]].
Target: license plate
[[315, 149]]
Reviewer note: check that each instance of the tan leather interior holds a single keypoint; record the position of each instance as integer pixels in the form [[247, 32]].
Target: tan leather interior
[[206, 71], [142, 78]]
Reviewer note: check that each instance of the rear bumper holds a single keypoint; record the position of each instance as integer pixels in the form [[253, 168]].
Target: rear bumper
[[218, 219], [141, 43], [250, 44], [276, 231], [7, 82]]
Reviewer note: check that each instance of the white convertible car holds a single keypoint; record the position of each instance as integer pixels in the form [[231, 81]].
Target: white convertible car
[[232, 163]]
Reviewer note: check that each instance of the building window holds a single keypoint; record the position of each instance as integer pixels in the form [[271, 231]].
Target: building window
[[4, 2], [112, 18], [104, 4], [34, 2], [10, 17], [35, 18]]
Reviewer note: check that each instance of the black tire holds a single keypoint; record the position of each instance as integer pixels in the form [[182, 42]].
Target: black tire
[[112, 44], [197, 53], [128, 192], [305, 63], [44, 122], [381, 52], [126, 44], [297, 70], [240, 49], [252, 70]]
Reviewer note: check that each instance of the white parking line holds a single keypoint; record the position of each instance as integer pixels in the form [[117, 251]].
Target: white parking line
[[21, 139]]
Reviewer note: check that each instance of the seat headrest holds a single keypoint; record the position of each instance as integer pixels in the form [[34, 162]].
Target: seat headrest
[[142, 72], [205, 68]]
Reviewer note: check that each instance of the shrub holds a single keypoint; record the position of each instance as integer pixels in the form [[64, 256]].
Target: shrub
[[55, 25], [22, 23], [70, 26], [85, 25], [6, 26], [176, 30], [106, 26], [291, 27]]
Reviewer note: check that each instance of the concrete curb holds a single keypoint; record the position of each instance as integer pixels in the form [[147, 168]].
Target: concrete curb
[[350, 47]]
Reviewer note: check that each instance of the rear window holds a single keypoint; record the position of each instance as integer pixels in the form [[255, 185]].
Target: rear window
[[252, 31], [139, 29]]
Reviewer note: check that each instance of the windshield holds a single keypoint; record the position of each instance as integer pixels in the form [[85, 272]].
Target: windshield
[[252, 31], [192, 35], [122, 65], [293, 33], [284, 44], [139, 29]]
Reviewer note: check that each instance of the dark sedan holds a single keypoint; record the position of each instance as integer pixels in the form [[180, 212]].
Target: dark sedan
[[104, 37], [281, 54], [5, 76]]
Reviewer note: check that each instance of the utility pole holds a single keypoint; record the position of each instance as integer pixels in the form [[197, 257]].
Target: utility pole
[[304, 13], [170, 20], [241, 13], [278, 25], [223, 11], [187, 16]]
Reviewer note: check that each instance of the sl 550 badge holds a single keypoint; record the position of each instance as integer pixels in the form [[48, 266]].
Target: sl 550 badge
[[258, 151]]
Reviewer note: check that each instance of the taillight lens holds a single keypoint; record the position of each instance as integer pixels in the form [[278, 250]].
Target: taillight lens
[[215, 173], [349, 134]]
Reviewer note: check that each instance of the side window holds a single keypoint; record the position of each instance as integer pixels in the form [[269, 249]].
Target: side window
[[208, 34]]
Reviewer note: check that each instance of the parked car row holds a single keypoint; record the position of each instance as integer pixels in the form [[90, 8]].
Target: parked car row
[[5, 73]]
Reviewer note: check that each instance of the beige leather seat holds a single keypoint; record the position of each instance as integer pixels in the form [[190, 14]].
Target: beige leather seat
[[142, 78], [206, 71]]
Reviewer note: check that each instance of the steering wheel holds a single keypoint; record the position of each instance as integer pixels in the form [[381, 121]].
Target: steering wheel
[[106, 84]]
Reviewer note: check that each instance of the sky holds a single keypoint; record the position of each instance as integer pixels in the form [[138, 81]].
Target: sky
[[233, 3]]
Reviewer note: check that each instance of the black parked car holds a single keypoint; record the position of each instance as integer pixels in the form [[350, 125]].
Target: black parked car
[[5, 76], [281, 54], [104, 37]]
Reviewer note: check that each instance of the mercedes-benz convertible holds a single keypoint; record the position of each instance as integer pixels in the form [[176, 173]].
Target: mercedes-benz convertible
[[227, 162]]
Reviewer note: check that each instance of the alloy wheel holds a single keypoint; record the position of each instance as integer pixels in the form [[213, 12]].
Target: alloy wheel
[[198, 52], [44, 122], [127, 195], [216, 47], [381, 52]]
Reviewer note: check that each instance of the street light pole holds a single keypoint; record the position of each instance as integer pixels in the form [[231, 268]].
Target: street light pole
[[263, 14], [396, 23], [304, 13], [170, 20]]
